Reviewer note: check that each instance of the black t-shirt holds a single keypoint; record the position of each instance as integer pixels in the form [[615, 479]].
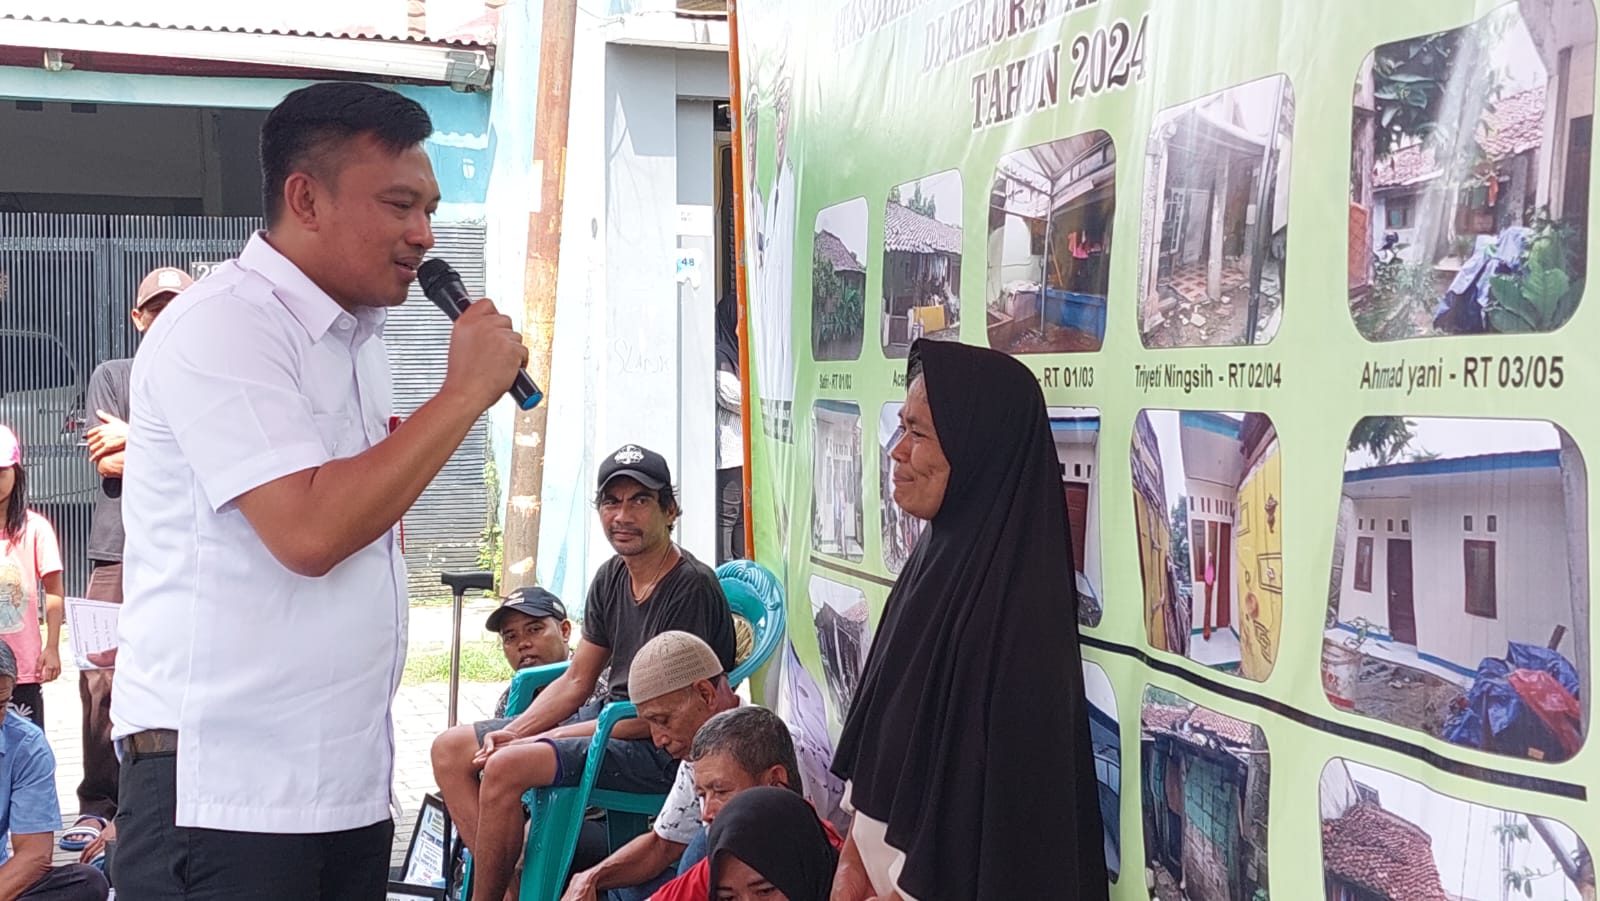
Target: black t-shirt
[[687, 599]]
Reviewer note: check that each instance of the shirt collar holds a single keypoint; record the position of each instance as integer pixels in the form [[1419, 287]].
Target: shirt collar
[[308, 304]]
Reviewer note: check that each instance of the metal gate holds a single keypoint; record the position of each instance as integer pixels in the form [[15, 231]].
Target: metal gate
[[67, 283]]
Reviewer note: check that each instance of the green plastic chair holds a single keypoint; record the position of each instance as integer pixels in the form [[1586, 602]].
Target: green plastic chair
[[753, 593]]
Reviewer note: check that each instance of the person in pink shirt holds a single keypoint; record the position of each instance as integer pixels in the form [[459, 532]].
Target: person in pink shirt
[[30, 557]]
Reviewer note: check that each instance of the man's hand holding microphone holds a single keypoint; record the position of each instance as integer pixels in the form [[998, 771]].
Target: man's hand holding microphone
[[486, 355], [443, 286]]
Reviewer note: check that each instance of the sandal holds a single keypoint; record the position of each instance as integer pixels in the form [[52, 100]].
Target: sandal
[[82, 833]]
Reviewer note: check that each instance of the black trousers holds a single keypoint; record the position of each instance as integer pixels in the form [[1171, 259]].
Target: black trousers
[[160, 861], [730, 514], [73, 882]]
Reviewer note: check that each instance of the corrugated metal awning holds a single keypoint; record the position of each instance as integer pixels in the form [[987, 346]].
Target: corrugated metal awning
[[462, 58], [467, 22]]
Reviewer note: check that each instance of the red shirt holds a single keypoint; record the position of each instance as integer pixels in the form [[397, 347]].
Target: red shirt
[[695, 885]]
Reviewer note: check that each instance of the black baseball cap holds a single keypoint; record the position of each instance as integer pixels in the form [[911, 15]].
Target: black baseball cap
[[532, 600], [641, 464]]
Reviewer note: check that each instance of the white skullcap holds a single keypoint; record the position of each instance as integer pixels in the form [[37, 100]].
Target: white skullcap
[[668, 662]]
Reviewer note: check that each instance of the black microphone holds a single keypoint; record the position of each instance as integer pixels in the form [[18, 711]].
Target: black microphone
[[443, 286]]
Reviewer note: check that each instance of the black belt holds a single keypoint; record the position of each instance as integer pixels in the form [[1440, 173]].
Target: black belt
[[149, 743]]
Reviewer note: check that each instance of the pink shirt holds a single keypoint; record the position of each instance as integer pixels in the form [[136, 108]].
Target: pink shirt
[[23, 563]]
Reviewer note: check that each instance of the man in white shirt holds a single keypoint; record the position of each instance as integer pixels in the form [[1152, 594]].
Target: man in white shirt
[[263, 632]]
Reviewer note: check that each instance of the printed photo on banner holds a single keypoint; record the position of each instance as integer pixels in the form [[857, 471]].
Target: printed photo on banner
[[1204, 785], [1050, 215], [1076, 431], [1469, 180], [900, 529], [922, 262], [839, 613], [1208, 509], [795, 696], [1216, 218], [1385, 836], [839, 281], [1106, 737], [836, 480], [1458, 594]]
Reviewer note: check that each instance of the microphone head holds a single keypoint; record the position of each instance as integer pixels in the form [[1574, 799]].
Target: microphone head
[[434, 274]]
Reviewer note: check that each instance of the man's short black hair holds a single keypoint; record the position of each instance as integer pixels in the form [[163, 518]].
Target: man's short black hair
[[756, 738], [305, 131]]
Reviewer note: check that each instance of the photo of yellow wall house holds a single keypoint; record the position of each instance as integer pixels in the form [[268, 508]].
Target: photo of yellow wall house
[[1260, 553], [1209, 493]]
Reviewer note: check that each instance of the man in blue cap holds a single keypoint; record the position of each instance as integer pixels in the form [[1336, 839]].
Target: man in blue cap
[[30, 811], [534, 631]]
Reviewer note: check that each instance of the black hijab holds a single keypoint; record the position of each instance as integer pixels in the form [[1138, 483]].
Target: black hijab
[[776, 833], [969, 735]]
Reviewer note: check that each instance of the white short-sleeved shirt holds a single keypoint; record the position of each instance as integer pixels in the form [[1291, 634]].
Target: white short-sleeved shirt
[[679, 820], [279, 685]]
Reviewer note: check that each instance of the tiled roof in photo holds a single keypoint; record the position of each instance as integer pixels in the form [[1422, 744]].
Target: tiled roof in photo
[[1376, 850], [1227, 728], [905, 231], [1161, 718], [830, 248], [1513, 125]]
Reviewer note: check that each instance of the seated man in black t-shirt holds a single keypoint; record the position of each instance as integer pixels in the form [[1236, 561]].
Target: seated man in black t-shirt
[[650, 587]]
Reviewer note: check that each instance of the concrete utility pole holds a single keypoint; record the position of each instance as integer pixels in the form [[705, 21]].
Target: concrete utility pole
[[526, 485]]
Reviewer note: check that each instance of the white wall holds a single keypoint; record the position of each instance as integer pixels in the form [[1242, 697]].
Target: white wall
[[1020, 263], [1532, 590], [634, 358], [1374, 604], [1531, 573]]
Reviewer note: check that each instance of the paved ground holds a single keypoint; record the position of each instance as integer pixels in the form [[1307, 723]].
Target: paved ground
[[419, 715]]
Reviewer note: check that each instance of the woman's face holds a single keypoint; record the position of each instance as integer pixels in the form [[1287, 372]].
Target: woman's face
[[738, 881], [920, 473]]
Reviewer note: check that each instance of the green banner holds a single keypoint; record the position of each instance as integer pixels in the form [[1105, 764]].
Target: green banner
[[1303, 284]]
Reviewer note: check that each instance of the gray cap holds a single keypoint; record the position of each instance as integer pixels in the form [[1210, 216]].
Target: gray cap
[[8, 662]]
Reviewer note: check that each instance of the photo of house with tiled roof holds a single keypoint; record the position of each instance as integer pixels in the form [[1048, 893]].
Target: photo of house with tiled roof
[[1389, 838], [922, 262], [1469, 192], [1203, 785], [839, 281]]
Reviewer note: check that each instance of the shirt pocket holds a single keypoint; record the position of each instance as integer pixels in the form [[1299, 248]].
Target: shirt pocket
[[337, 431]]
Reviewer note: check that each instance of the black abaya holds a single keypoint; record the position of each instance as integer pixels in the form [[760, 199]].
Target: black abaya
[[969, 735]]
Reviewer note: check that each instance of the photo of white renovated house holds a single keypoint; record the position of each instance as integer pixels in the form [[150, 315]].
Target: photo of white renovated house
[[1460, 563]]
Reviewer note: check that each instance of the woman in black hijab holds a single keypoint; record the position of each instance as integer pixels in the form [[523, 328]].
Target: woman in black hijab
[[967, 747], [770, 838]]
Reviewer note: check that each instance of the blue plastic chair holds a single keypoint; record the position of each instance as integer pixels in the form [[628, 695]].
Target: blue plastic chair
[[753, 593]]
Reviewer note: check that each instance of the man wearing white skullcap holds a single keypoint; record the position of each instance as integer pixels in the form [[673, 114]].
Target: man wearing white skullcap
[[678, 683]]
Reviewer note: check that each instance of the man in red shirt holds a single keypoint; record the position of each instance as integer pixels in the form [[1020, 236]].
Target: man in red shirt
[[735, 750]]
